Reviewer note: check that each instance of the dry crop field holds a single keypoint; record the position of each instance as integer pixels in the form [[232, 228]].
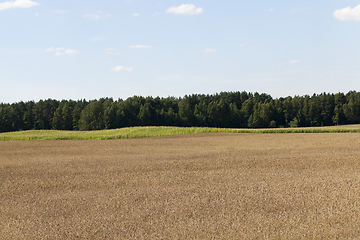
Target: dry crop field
[[194, 186]]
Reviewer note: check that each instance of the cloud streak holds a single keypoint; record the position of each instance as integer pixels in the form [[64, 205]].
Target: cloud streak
[[348, 14], [294, 62], [60, 11], [209, 50], [122, 68], [62, 51], [18, 4], [96, 16], [187, 9], [112, 51]]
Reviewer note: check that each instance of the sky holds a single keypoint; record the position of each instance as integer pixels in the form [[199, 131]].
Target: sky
[[89, 49]]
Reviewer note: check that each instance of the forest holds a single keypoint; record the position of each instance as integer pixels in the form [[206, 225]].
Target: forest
[[223, 110]]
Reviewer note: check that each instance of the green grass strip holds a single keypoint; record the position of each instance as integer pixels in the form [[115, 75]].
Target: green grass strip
[[139, 132]]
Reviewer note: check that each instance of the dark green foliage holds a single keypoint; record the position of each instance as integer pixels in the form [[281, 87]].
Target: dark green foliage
[[63, 116], [92, 117], [43, 112], [224, 110]]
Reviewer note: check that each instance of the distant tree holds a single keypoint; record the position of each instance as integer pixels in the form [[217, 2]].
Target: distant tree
[[171, 117], [327, 109], [146, 115], [79, 106], [339, 115], [236, 117], [57, 121], [63, 119], [224, 109], [6, 116], [255, 119], [201, 113], [110, 118], [185, 112], [92, 117], [294, 123], [247, 108], [315, 112], [43, 112], [28, 117], [272, 124], [18, 115], [352, 108]]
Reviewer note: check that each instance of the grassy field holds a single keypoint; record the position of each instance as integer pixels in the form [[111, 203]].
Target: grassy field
[[190, 186], [138, 132]]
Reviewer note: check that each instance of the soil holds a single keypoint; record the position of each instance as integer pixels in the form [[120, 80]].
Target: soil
[[196, 186]]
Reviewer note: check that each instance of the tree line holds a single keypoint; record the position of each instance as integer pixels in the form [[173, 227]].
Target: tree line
[[225, 110]]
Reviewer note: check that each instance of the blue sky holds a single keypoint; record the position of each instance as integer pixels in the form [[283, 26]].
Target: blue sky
[[121, 48]]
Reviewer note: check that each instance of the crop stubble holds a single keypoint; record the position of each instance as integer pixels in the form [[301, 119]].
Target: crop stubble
[[210, 186]]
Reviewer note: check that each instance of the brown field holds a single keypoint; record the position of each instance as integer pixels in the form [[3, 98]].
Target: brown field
[[199, 186]]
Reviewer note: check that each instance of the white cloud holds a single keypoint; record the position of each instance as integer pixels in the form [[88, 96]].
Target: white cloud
[[209, 50], [37, 14], [348, 14], [122, 68], [54, 49], [188, 9], [155, 14], [60, 11], [58, 54], [70, 52], [140, 46], [135, 14], [112, 51], [271, 9], [242, 45], [96, 16], [294, 61], [62, 51], [17, 4]]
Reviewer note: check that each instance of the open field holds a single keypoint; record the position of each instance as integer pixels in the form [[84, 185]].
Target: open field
[[192, 186], [139, 132]]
